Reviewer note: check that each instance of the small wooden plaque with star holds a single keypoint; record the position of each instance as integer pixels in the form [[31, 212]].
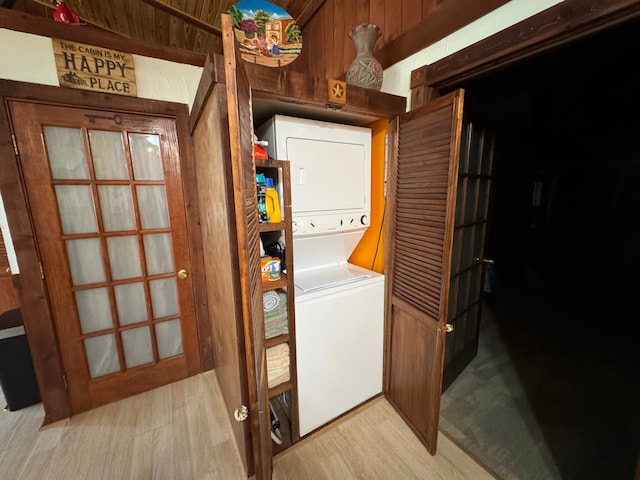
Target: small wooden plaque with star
[[337, 91]]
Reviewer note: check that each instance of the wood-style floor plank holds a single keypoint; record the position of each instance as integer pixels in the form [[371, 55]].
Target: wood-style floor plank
[[181, 432], [374, 443]]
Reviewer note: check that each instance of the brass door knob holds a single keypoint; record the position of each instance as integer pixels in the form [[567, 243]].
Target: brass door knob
[[241, 413], [182, 274], [449, 328]]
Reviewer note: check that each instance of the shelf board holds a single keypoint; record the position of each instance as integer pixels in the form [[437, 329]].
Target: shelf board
[[271, 227], [271, 342], [270, 163], [278, 389], [281, 283]]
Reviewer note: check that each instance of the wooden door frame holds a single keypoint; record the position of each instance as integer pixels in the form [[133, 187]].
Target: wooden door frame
[[559, 25], [31, 288]]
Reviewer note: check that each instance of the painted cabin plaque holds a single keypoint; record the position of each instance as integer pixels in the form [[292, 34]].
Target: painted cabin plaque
[[267, 34], [88, 67]]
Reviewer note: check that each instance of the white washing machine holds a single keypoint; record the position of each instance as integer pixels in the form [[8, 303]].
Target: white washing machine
[[339, 340], [339, 306]]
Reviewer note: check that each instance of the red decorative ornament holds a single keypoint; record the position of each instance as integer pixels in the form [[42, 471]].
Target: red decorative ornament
[[64, 14]]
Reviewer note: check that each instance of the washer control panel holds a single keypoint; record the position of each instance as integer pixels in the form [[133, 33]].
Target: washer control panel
[[327, 224]]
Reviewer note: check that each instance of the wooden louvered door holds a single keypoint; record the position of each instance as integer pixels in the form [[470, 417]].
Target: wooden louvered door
[[248, 243], [422, 192]]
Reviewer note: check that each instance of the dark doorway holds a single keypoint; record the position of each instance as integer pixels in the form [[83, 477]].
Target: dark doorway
[[559, 335]]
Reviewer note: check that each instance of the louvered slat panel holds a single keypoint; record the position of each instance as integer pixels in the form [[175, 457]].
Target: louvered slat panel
[[246, 206], [421, 206]]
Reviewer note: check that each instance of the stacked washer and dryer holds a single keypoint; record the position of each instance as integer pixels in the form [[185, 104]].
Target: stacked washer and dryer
[[339, 306]]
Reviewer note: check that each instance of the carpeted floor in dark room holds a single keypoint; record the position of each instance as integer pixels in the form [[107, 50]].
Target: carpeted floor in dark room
[[554, 392]]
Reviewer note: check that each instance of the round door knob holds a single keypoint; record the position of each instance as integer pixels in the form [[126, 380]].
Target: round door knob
[[449, 328], [182, 274], [241, 413]]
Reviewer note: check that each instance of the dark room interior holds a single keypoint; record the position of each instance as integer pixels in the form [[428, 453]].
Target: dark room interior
[[559, 330]]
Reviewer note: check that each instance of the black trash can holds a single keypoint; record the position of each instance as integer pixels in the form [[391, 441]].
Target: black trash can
[[17, 376]]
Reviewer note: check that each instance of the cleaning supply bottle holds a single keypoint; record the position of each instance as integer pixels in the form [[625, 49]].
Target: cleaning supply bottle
[[262, 197], [273, 202]]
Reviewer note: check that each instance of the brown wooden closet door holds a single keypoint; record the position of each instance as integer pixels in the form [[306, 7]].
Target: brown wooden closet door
[[423, 182], [8, 298], [246, 212], [106, 199]]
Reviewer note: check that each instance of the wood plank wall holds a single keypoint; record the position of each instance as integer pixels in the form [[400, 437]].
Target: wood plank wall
[[407, 27]]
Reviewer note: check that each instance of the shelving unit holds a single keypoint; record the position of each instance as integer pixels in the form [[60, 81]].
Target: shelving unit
[[286, 411]]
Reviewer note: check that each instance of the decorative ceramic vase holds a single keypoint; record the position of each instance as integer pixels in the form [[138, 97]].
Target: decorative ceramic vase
[[365, 71]]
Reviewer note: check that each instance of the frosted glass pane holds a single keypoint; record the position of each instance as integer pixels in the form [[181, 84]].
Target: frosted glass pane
[[102, 355], [131, 303], [94, 309], [152, 204], [117, 207], [145, 153], [66, 152], [77, 212], [169, 338], [85, 261], [124, 257], [164, 298], [137, 346], [107, 149], [159, 254]]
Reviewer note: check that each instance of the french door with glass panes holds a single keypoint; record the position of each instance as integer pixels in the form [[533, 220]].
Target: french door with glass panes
[[106, 199]]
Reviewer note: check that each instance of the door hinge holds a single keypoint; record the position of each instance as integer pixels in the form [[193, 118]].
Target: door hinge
[[64, 380], [41, 270], [15, 145]]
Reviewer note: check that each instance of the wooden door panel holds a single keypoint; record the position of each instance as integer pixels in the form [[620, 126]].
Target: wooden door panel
[[411, 331], [422, 193], [215, 194], [8, 299], [246, 215], [123, 354]]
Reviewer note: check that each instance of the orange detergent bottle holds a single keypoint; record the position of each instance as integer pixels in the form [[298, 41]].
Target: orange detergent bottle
[[273, 203]]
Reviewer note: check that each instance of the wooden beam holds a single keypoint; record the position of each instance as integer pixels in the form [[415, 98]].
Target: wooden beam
[[563, 23], [444, 20], [299, 88], [196, 22]]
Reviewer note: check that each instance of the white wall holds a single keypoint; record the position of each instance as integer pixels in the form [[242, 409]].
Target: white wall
[[397, 78], [29, 58]]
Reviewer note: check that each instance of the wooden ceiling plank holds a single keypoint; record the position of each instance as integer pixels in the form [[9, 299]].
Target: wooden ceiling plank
[[176, 25], [190, 31], [23, 22], [120, 18], [146, 19], [213, 13], [307, 12], [184, 16]]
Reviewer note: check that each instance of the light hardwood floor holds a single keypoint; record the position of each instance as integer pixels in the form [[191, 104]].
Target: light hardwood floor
[[180, 432]]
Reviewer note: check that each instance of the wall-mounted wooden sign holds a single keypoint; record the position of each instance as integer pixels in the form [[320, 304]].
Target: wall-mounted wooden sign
[[94, 68]]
